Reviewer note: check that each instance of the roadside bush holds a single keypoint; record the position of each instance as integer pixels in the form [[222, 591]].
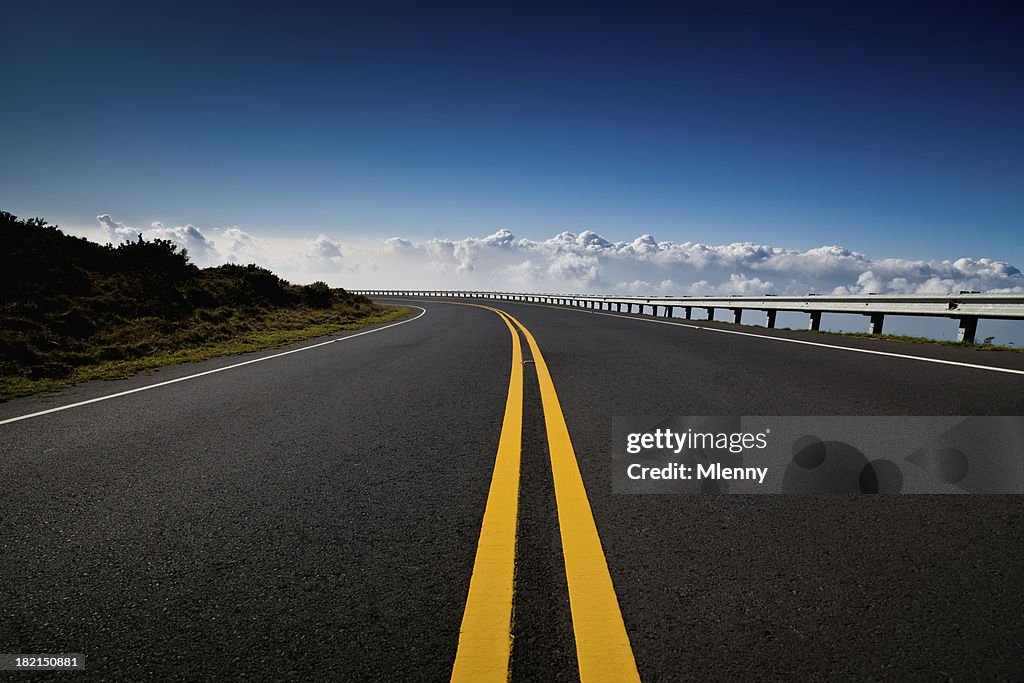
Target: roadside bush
[[317, 295]]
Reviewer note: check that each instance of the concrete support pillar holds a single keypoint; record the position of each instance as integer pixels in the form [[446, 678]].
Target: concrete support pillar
[[737, 315], [688, 312], [711, 314], [668, 311], [815, 323], [875, 326], [967, 329], [771, 319]]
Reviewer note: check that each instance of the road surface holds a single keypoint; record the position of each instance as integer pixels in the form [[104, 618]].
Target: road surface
[[318, 514]]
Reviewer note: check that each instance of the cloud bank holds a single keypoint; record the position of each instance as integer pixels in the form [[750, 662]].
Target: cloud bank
[[582, 262]]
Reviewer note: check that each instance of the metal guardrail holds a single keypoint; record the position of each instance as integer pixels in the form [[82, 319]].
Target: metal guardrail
[[967, 308]]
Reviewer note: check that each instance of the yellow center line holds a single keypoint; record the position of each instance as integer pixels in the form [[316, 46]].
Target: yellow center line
[[485, 639], [603, 651], [602, 645]]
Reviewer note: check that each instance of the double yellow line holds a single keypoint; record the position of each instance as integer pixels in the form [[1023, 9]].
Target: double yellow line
[[603, 651]]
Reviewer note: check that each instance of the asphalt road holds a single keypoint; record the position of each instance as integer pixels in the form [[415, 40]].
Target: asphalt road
[[316, 515]]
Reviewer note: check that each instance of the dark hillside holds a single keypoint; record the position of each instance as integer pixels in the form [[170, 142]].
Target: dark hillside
[[67, 304]]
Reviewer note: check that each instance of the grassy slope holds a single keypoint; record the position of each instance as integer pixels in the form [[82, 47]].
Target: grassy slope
[[271, 332]]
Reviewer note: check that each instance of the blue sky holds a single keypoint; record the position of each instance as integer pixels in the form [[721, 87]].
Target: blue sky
[[892, 129]]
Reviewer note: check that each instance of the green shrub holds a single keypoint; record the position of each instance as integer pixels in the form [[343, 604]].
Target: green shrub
[[317, 295]]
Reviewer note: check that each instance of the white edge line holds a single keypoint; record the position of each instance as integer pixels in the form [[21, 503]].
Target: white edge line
[[210, 372], [923, 359]]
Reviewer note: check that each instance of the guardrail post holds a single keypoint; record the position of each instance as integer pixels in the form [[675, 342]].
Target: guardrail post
[[737, 315], [875, 326], [815, 323], [967, 328], [771, 319]]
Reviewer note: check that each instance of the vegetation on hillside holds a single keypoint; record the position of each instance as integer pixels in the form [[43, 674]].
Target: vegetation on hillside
[[71, 309]]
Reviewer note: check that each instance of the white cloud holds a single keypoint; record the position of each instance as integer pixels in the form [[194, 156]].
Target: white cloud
[[579, 262], [234, 245], [200, 249], [117, 232], [325, 250]]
